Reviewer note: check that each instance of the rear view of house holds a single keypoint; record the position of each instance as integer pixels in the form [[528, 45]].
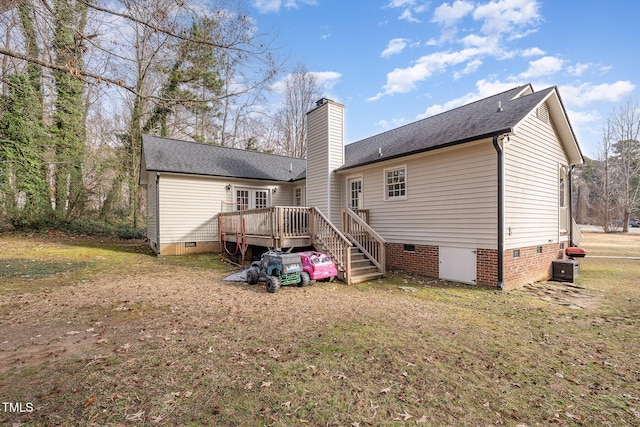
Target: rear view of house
[[479, 194]]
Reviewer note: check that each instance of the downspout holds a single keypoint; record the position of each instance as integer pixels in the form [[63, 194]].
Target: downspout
[[500, 175], [571, 244], [158, 212]]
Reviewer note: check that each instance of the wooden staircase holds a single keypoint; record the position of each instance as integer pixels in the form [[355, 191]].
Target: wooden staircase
[[362, 269]]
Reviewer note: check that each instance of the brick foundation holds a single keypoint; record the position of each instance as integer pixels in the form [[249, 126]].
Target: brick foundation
[[529, 267], [424, 260]]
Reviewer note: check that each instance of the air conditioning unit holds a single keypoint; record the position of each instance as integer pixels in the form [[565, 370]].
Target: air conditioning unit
[[565, 270]]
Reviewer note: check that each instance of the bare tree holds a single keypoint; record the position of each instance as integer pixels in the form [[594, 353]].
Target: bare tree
[[301, 91], [625, 127]]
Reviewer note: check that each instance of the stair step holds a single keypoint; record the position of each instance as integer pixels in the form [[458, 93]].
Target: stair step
[[366, 269], [360, 262], [365, 277]]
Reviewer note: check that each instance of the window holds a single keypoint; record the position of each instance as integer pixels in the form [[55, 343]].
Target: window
[[298, 194], [355, 193], [563, 192], [395, 183], [251, 198], [261, 199], [242, 200]]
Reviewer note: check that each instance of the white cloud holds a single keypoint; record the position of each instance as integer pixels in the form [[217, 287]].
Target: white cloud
[[394, 47], [448, 15], [583, 117], [267, 6], [391, 124], [409, 7], [485, 88], [578, 69], [326, 80], [406, 15], [587, 93], [471, 67], [534, 51], [507, 16], [544, 66], [403, 80]]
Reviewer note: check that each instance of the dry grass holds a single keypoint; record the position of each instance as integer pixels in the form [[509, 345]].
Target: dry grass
[[130, 339]]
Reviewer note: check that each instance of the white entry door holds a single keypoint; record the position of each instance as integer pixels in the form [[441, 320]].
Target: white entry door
[[458, 264]]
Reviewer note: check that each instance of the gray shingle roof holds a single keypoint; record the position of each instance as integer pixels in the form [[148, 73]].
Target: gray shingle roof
[[477, 120], [171, 155], [470, 122]]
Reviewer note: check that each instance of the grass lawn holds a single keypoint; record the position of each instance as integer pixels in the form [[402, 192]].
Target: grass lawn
[[101, 332]]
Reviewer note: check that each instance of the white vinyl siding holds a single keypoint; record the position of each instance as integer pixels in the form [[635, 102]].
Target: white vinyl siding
[[533, 158], [152, 204], [451, 198], [325, 153], [188, 204], [317, 161]]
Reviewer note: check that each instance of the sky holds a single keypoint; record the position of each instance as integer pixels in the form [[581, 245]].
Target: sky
[[392, 62]]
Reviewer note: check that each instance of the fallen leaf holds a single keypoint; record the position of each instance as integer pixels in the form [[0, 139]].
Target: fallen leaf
[[287, 404], [385, 390], [266, 384], [422, 420], [89, 401], [136, 417], [573, 417], [406, 415], [102, 341]]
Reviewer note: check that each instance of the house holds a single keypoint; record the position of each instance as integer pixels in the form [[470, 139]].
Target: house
[[478, 194]]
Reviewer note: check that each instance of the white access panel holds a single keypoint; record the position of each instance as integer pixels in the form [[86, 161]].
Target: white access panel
[[458, 264]]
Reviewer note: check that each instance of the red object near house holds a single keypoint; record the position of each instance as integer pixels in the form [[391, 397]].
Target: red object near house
[[574, 252], [318, 265]]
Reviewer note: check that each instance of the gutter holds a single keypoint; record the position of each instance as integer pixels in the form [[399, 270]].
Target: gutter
[[500, 176], [571, 244], [158, 212]]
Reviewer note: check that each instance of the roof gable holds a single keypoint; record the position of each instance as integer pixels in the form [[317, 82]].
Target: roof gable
[[484, 118], [171, 155]]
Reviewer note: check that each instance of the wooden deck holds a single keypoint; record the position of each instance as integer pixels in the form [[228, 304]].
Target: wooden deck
[[284, 227]]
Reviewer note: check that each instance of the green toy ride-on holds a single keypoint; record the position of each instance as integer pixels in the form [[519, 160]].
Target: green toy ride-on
[[277, 269]]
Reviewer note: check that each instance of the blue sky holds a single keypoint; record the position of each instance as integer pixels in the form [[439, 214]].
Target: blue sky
[[391, 62]]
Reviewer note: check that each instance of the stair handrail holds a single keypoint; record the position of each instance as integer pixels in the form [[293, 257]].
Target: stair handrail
[[338, 247], [379, 260]]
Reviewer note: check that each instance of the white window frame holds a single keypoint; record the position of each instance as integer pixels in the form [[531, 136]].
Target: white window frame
[[350, 179], [303, 195], [387, 197], [252, 193]]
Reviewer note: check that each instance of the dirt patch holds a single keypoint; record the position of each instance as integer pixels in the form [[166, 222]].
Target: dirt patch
[[132, 338]]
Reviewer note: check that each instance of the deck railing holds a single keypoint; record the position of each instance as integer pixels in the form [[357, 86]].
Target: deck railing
[[281, 224], [325, 236], [370, 243]]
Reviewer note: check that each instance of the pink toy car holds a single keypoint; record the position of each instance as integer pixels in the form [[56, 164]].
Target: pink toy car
[[318, 265]]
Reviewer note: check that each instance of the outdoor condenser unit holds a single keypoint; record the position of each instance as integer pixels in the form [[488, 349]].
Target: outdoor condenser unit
[[565, 270]]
